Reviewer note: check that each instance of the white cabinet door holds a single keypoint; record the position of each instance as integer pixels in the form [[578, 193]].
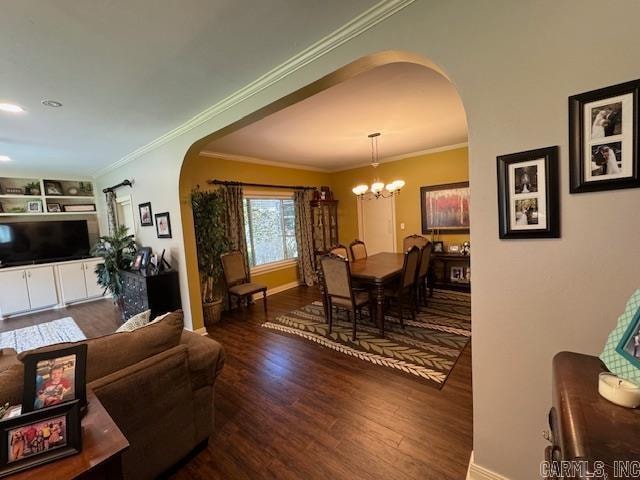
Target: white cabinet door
[[14, 296], [91, 279], [72, 283], [42, 287]]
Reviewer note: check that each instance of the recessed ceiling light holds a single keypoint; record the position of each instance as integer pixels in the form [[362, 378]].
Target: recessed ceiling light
[[4, 158], [11, 108], [51, 103]]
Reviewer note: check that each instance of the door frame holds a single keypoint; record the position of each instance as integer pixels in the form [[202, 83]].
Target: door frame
[[359, 201]]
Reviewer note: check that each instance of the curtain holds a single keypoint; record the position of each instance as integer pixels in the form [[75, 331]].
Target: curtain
[[110, 198], [232, 195], [304, 236]]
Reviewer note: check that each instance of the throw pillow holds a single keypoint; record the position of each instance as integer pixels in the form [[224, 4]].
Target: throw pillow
[[137, 321]]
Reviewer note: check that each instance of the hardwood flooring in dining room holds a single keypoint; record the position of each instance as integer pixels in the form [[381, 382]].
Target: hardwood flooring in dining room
[[289, 409]]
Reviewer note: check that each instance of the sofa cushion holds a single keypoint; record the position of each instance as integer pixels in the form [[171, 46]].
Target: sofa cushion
[[11, 377], [114, 352]]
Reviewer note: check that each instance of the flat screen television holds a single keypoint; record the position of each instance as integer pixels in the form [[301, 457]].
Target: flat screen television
[[26, 243]]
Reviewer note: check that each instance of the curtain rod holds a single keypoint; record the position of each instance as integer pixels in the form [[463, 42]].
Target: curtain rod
[[124, 183], [263, 185]]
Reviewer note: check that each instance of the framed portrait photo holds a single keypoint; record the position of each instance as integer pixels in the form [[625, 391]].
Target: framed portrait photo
[[34, 206], [146, 216], [54, 377], [54, 208], [603, 139], [528, 194], [39, 437], [53, 188], [438, 246], [445, 208], [163, 225]]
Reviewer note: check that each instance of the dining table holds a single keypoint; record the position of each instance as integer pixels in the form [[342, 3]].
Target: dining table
[[374, 273]]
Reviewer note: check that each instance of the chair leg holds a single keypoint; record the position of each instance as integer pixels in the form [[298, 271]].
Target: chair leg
[[353, 337], [264, 300], [413, 303], [330, 311]]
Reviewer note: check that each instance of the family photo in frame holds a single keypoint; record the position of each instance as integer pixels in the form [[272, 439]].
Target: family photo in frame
[[528, 194], [603, 138]]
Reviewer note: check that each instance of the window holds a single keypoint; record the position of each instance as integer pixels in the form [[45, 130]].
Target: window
[[270, 228]]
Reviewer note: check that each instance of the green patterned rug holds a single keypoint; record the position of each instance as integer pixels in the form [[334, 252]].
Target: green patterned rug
[[427, 349]]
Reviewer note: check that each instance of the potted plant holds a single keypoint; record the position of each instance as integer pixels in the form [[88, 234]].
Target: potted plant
[[118, 252], [32, 188], [209, 211]]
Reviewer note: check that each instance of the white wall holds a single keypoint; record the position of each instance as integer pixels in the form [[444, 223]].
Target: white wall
[[514, 63]]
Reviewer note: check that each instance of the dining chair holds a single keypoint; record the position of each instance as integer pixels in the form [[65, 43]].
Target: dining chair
[[336, 276], [236, 278], [404, 290], [417, 240], [340, 250], [423, 273], [358, 250]]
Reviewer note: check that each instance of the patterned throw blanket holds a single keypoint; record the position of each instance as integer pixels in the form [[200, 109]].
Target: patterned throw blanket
[[28, 338]]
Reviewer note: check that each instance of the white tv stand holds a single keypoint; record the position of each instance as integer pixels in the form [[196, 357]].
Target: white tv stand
[[30, 288]]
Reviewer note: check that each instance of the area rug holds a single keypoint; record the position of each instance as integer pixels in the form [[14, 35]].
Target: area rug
[[426, 350], [27, 338]]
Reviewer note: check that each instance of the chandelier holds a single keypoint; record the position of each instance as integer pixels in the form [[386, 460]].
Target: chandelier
[[378, 188]]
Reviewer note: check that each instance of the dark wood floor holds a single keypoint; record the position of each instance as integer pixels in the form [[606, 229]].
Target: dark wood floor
[[288, 409]]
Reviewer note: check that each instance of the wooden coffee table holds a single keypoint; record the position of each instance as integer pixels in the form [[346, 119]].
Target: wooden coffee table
[[100, 458]]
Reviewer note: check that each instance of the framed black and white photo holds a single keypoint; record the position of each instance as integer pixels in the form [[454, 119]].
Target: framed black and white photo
[[146, 216], [528, 194], [55, 376], [53, 188], [603, 138], [40, 437], [54, 207], [438, 246], [163, 225], [34, 206]]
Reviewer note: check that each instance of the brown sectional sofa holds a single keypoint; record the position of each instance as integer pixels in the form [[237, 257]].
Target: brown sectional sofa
[[157, 383]]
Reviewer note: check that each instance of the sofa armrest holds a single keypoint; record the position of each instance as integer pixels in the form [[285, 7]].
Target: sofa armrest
[[11, 377], [206, 358]]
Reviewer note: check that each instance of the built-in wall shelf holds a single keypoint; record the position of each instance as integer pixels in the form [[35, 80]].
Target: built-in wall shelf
[[21, 196]]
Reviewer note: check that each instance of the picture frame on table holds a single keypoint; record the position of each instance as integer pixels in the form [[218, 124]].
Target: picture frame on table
[[456, 274], [438, 246], [146, 214], [603, 139], [53, 188], [163, 225], [55, 376], [445, 208], [529, 194], [54, 208], [145, 257], [22, 443]]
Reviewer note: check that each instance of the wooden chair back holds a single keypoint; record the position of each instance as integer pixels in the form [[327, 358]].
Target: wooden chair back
[[425, 260], [337, 276], [234, 267], [340, 250], [417, 240], [410, 267], [358, 250]]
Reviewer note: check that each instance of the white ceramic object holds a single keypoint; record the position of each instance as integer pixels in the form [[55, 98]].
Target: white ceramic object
[[619, 391]]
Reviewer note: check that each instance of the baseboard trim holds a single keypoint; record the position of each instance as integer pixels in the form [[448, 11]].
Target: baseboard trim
[[278, 289], [476, 472], [200, 331]]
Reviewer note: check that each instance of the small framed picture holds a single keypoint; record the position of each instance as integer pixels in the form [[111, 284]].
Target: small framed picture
[[528, 194], [629, 344], [143, 257], [34, 206], [457, 274], [603, 139], [54, 207], [163, 225], [54, 377], [453, 248], [39, 437], [80, 207], [53, 188], [438, 246], [146, 216], [621, 353]]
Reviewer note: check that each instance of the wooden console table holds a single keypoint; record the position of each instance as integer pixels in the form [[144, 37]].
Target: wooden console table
[[100, 458], [584, 426], [440, 272]]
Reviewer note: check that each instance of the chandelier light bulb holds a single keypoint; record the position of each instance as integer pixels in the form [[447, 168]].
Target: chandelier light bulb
[[399, 184], [391, 187], [377, 187], [360, 189]]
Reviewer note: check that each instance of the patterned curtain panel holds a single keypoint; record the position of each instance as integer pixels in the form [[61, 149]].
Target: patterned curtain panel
[[232, 195], [304, 236], [110, 198]]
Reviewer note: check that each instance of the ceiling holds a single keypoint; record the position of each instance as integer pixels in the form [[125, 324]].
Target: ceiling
[[413, 107], [128, 72]]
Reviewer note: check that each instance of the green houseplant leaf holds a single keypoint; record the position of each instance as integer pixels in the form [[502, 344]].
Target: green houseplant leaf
[[209, 219], [117, 252]]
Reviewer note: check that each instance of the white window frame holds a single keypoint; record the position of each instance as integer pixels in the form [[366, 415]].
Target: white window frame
[[280, 264]]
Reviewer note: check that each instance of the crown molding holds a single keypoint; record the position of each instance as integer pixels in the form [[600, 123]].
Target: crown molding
[[352, 29], [404, 156], [261, 161]]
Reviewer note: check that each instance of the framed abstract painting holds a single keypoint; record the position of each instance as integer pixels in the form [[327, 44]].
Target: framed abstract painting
[[445, 208]]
